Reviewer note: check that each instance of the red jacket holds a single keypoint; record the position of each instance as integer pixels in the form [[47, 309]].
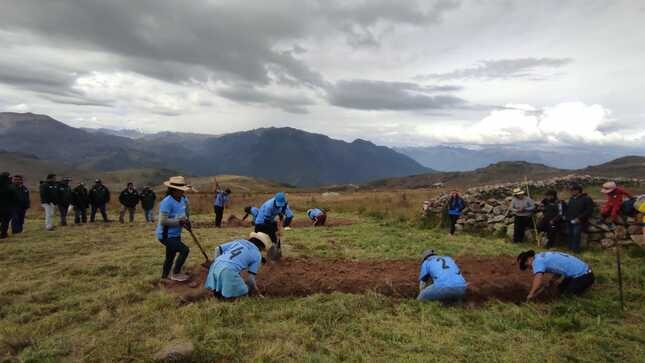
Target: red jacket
[[614, 202]]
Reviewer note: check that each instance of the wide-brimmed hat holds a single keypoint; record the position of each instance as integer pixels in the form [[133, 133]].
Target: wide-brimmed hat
[[177, 182], [262, 237], [608, 187], [518, 191]]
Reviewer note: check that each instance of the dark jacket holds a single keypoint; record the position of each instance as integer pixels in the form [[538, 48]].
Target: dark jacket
[[48, 192], [129, 198], [99, 195], [456, 205], [553, 210], [580, 207], [8, 196], [24, 201], [80, 197], [148, 198], [64, 195]]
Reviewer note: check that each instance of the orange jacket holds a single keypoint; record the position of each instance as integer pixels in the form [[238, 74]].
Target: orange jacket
[[614, 202]]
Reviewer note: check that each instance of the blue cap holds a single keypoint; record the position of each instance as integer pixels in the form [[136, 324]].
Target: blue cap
[[280, 199]]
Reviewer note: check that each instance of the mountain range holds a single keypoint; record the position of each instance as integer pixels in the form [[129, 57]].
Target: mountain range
[[284, 155]]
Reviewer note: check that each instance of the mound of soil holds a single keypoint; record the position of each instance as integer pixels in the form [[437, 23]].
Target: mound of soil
[[488, 277], [235, 222]]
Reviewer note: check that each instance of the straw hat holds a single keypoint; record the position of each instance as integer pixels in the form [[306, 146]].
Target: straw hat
[[608, 187], [177, 182], [518, 191], [262, 237]]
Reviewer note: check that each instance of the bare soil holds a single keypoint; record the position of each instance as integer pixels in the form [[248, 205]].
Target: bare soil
[[235, 222], [488, 277]]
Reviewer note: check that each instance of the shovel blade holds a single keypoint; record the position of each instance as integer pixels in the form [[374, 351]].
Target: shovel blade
[[274, 253]]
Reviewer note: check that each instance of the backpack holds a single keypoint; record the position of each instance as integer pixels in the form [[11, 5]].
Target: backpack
[[639, 203], [628, 207]]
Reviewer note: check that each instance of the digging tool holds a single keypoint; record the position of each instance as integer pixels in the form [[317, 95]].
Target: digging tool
[[619, 270], [275, 251], [535, 229], [207, 263]]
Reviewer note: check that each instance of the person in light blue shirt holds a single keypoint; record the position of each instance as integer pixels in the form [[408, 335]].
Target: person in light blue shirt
[[251, 211], [222, 198], [575, 276], [173, 216], [288, 218], [440, 278], [317, 216], [265, 221], [231, 259]]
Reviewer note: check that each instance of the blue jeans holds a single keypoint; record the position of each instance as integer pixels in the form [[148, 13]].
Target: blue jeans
[[575, 236], [447, 293]]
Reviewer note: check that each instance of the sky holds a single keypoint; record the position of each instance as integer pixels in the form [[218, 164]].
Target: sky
[[398, 73]]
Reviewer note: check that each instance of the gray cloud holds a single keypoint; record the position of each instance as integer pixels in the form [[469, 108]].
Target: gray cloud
[[524, 68], [250, 95], [397, 96]]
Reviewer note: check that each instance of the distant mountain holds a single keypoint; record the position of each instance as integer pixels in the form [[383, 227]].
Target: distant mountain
[[628, 167], [454, 158], [285, 155], [129, 133]]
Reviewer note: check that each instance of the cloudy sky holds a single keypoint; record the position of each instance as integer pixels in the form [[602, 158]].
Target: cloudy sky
[[394, 72]]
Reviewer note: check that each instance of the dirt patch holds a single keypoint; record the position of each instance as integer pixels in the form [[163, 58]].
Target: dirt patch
[[488, 277], [235, 222]]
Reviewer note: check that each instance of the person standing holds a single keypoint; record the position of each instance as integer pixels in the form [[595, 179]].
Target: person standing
[[48, 199], [8, 201], [523, 207], [440, 278], [80, 201], [99, 198], [173, 216], [64, 200], [579, 210], [148, 198], [456, 205], [553, 211], [615, 198], [265, 221], [221, 201], [23, 203], [129, 198]]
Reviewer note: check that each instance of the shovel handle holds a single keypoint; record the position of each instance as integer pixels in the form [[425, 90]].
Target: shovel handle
[[197, 243]]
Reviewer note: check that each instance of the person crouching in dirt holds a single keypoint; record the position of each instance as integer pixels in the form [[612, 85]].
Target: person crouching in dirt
[[447, 283], [456, 205], [523, 208], [575, 276], [265, 221], [231, 259], [173, 216], [615, 197], [251, 211], [317, 216], [553, 212]]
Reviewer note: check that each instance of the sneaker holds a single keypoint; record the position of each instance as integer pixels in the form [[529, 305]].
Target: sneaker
[[179, 277], [287, 228]]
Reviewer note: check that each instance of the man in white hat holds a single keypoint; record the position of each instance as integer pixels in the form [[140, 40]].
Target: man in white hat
[[615, 198], [224, 276], [173, 216], [523, 208]]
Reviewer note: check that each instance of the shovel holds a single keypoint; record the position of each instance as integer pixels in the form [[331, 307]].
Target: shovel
[[208, 262], [275, 251]]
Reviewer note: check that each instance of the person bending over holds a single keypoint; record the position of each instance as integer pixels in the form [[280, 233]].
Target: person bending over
[[265, 221], [317, 216], [440, 278]]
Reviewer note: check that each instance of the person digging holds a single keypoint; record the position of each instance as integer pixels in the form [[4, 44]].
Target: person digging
[[574, 275], [173, 216], [224, 277], [317, 216], [440, 279]]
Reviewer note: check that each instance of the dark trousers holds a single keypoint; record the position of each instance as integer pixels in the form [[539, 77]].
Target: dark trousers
[[320, 220], [520, 225], [270, 229], [5, 217], [552, 231], [453, 223], [99, 207], [575, 236], [62, 210], [219, 214], [577, 285], [17, 220], [80, 215], [287, 221], [174, 246]]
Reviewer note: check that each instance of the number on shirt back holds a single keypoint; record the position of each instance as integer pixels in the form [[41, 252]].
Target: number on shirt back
[[236, 251], [445, 266]]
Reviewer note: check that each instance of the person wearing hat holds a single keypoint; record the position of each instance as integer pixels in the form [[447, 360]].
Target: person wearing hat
[[575, 276], [615, 198], [265, 221], [553, 211], [80, 201], [317, 216], [251, 211], [23, 203], [440, 278], [148, 198], [523, 208], [48, 199], [8, 201], [173, 216], [64, 199], [222, 198], [579, 210], [99, 198], [129, 198], [231, 259]]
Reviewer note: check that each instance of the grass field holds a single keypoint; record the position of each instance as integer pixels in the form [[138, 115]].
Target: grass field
[[90, 293]]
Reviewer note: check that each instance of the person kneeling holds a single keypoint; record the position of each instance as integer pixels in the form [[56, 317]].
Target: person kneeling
[[447, 282], [317, 216], [224, 276], [575, 275]]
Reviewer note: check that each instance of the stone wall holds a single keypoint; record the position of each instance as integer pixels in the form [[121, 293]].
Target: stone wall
[[487, 210]]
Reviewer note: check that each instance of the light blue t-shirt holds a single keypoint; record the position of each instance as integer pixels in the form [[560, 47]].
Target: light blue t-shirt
[[313, 213], [268, 212], [240, 255], [175, 209], [559, 263], [254, 212], [288, 213], [443, 270], [220, 199]]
